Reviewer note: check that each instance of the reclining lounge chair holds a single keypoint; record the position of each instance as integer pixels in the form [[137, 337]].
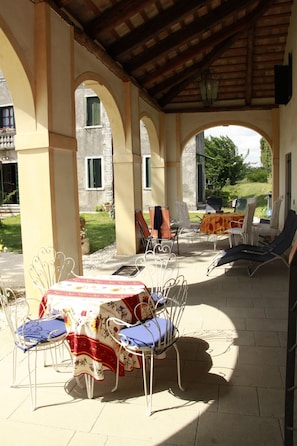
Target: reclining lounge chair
[[260, 255]]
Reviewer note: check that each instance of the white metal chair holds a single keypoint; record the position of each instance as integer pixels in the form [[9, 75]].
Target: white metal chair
[[187, 229], [31, 335], [160, 265], [49, 267], [153, 337], [271, 228], [243, 229]]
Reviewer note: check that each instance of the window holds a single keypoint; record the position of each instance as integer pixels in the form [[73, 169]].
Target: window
[[93, 111], [7, 117], [94, 173], [147, 175]]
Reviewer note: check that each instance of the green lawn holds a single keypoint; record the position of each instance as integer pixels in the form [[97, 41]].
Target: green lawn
[[248, 190], [100, 230]]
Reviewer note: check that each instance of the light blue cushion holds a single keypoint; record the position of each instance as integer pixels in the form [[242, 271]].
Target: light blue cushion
[[39, 330], [146, 334], [158, 298]]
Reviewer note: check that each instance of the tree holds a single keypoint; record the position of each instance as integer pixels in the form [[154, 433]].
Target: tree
[[266, 158], [223, 164]]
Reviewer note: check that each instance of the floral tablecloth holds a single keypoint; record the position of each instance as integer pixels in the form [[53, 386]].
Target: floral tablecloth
[[217, 223], [86, 303]]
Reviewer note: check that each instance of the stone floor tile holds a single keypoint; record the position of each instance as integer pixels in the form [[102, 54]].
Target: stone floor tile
[[233, 430], [240, 400]]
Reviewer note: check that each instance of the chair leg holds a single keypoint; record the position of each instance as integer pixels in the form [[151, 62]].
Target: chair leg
[[178, 367], [14, 366], [89, 385], [117, 371], [32, 382], [148, 398]]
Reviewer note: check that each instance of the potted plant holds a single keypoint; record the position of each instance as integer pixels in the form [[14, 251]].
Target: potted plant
[[85, 242], [107, 206]]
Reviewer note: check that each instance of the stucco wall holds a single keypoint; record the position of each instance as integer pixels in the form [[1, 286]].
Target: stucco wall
[[288, 119]]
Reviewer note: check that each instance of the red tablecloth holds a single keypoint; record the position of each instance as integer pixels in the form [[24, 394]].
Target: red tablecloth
[[86, 303], [217, 223]]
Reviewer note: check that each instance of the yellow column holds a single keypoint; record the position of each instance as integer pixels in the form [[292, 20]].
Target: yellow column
[[127, 177], [47, 157]]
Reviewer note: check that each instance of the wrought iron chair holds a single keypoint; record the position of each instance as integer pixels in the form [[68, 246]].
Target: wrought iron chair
[[49, 267], [31, 335], [162, 228], [153, 337], [160, 265]]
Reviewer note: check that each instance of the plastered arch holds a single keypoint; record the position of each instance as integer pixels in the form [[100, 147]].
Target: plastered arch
[[152, 134], [16, 76], [103, 91], [218, 123]]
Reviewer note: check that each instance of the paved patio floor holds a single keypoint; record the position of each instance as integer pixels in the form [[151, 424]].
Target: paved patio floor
[[233, 350]]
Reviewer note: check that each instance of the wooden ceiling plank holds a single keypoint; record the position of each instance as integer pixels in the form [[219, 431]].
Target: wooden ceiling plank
[[178, 83], [249, 70], [239, 28], [245, 68], [218, 51]]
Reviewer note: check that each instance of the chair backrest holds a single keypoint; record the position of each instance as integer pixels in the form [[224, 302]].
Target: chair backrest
[[165, 229], [274, 221], [166, 324], [16, 311], [139, 218], [160, 265], [174, 299], [248, 217], [213, 204], [182, 214], [49, 267], [251, 200], [284, 240], [240, 204]]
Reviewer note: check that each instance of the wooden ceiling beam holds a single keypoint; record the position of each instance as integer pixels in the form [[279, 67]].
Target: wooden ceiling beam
[[115, 15], [213, 42], [175, 89], [154, 26], [185, 34]]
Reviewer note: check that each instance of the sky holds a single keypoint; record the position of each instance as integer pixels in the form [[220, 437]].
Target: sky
[[243, 138]]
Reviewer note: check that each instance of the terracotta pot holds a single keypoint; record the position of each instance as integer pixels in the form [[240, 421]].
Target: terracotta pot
[[85, 246]]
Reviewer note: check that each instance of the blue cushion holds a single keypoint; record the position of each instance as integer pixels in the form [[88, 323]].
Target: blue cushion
[[147, 334], [40, 329], [158, 298]]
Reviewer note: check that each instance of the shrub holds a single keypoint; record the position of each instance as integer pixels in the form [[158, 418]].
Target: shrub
[[257, 175]]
